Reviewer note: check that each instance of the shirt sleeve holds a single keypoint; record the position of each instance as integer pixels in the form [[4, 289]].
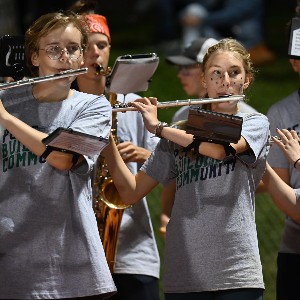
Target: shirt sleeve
[[94, 118], [161, 164], [255, 131]]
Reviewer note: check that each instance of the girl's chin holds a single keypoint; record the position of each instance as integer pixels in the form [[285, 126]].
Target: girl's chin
[[226, 107]]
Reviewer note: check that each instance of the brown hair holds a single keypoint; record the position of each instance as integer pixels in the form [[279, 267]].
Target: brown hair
[[45, 24], [231, 45]]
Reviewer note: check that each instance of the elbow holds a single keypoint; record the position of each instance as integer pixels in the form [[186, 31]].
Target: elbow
[[129, 200], [293, 213], [62, 161], [123, 196], [110, 195]]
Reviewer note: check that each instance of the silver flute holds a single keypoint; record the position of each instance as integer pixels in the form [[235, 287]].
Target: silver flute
[[29, 81], [123, 107]]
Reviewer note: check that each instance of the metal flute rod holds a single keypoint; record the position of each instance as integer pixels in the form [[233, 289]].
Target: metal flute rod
[[29, 81], [187, 102]]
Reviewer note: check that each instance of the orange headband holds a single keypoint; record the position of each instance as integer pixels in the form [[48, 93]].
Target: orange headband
[[98, 23]]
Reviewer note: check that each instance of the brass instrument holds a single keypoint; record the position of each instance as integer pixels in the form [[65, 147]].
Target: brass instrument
[[101, 71], [30, 81], [120, 107], [107, 202]]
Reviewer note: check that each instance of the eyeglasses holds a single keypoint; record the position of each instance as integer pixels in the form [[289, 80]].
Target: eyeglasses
[[56, 52], [187, 70]]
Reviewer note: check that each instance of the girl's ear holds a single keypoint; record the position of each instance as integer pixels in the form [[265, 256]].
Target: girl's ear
[[203, 81], [247, 82], [35, 59]]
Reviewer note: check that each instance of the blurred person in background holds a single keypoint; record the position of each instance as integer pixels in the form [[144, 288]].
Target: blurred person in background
[[284, 196], [285, 114], [137, 266], [239, 19]]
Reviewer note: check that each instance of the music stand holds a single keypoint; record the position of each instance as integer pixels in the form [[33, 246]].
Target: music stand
[[74, 142], [12, 57], [132, 73], [294, 39]]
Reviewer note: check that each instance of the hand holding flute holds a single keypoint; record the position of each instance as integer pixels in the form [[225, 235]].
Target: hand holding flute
[[148, 108]]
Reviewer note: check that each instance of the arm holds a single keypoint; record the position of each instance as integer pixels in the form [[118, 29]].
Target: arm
[[148, 108], [132, 153], [135, 142], [32, 139], [131, 188], [282, 194], [167, 201]]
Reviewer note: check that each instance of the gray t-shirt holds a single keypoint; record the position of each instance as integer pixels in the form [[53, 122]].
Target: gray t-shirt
[[49, 241], [136, 248], [211, 240], [284, 114]]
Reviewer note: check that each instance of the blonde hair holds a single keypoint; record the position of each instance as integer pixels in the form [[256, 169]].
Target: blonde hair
[[45, 24]]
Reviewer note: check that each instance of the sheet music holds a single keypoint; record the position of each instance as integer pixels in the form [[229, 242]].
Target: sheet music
[[76, 142], [132, 75]]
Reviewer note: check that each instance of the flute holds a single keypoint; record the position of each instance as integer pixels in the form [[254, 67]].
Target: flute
[[120, 107], [29, 81]]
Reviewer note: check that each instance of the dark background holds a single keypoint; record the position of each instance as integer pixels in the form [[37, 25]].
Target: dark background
[[133, 26], [134, 31]]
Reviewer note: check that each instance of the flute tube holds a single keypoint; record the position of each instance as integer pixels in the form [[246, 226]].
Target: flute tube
[[29, 81], [187, 102]]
